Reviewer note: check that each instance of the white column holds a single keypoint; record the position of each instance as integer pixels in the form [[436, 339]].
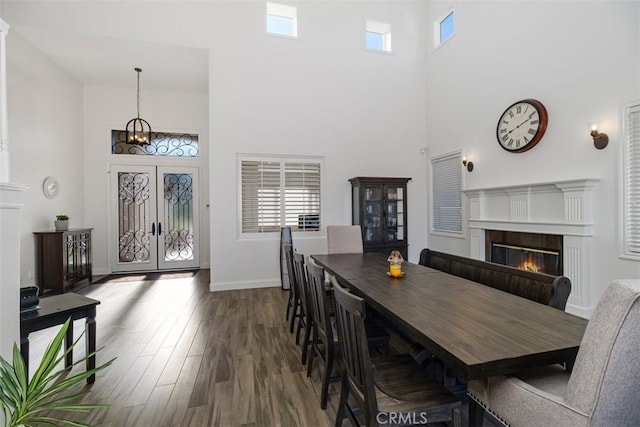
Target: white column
[[5, 172], [11, 201]]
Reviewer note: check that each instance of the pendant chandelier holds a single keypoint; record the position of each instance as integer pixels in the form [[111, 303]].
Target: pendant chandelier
[[138, 131]]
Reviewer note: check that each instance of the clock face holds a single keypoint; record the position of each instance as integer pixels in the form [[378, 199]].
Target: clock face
[[522, 125], [50, 187]]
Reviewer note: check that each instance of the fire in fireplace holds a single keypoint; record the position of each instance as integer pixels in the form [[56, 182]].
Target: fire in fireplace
[[527, 251], [536, 260]]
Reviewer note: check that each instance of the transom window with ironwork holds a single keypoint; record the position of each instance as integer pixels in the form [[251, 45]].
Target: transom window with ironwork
[[161, 144]]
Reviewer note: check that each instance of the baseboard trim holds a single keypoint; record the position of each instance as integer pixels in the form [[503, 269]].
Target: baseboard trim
[[100, 271], [252, 284], [579, 311]]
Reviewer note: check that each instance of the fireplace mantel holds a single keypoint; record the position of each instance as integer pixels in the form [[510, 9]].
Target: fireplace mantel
[[558, 207]]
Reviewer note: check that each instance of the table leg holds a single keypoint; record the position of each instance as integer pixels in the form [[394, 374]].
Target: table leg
[[24, 350], [91, 347], [476, 413], [68, 342]]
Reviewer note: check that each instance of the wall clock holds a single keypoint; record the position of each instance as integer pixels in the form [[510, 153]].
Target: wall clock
[[50, 187], [522, 125]]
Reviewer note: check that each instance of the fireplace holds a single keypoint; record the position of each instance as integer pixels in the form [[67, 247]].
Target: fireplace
[[563, 209], [527, 251]]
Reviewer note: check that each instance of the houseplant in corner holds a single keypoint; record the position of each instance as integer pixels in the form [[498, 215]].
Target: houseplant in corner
[[31, 403], [62, 223]]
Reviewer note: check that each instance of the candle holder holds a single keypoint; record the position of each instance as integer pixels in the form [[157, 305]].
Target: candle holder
[[395, 261]]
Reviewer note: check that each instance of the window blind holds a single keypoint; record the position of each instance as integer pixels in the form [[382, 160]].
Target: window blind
[[632, 182], [446, 185], [280, 192], [302, 195], [261, 196]]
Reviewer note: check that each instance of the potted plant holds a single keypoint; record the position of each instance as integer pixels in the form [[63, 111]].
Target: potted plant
[[40, 401], [62, 223]]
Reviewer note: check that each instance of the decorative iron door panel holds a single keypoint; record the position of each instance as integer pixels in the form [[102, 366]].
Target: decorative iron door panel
[[178, 212], [135, 245], [155, 224]]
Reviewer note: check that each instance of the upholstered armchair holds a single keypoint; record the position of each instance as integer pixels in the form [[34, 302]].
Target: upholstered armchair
[[602, 390]]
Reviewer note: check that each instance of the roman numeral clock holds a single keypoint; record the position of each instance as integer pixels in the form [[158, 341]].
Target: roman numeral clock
[[522, 126]]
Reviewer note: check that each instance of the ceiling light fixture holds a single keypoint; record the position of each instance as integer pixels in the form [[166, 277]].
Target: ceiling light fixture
[[138, 131]]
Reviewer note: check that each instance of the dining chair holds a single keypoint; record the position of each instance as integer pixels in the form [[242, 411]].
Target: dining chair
[[305, 321], [603, 387], [344, 239], [323, 339], [386, 385], [294, 302]]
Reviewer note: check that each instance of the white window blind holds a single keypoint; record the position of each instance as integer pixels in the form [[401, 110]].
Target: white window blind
[[302, 195], [260, 196], [632, 182], [446, 183], [280, 192]]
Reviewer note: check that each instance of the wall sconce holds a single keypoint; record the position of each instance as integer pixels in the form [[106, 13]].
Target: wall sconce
[[467, 164], [600, 140]]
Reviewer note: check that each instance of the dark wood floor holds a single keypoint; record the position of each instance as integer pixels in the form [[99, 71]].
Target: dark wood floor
[[190, 357]]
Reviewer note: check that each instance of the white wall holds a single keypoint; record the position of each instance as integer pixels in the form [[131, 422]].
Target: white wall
[[109, 108], [321, 95], [366, 113], [59, 129], [46, 139], [581, 59]]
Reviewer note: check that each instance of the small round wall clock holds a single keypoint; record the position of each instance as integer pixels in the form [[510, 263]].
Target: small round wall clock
[[50, 187], [522, 125]]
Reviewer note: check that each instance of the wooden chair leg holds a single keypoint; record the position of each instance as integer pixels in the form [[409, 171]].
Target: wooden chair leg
[[476, 413], [294, 314], [305, 341], [289, 305], [456, 418], [312, 352], [299, 328], [341, 411], [325, 379]]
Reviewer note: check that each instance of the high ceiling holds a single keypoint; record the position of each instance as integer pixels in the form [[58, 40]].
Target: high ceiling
[[108, 61]]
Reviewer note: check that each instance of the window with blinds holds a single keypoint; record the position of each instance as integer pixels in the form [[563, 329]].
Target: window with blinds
[[446, 184], [631, 234], [280, 192]]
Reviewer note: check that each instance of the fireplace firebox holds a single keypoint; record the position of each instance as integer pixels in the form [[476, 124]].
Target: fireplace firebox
[[527, 251]]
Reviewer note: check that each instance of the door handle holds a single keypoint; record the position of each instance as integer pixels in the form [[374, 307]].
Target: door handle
[[159, 228], [153, 229]]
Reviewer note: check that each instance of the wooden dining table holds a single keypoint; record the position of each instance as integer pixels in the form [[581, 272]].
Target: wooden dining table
[[476, 330]]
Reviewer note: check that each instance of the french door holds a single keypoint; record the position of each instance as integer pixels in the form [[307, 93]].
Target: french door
[[155, 219]]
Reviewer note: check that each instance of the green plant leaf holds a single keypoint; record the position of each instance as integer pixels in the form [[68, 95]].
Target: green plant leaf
[[49, 358], [28, 403], [70, 382]]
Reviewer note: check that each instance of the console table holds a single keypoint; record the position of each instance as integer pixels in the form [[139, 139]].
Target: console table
[[63, 258], [55, 310]]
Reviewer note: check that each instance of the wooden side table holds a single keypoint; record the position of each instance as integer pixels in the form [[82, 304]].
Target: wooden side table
[[55, 310]]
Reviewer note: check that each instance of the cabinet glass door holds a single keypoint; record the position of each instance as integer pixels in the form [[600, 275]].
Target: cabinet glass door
[[373, 214], [394, 214]]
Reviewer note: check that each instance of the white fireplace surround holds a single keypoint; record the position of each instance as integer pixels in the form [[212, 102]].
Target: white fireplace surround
[[561, 207]]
